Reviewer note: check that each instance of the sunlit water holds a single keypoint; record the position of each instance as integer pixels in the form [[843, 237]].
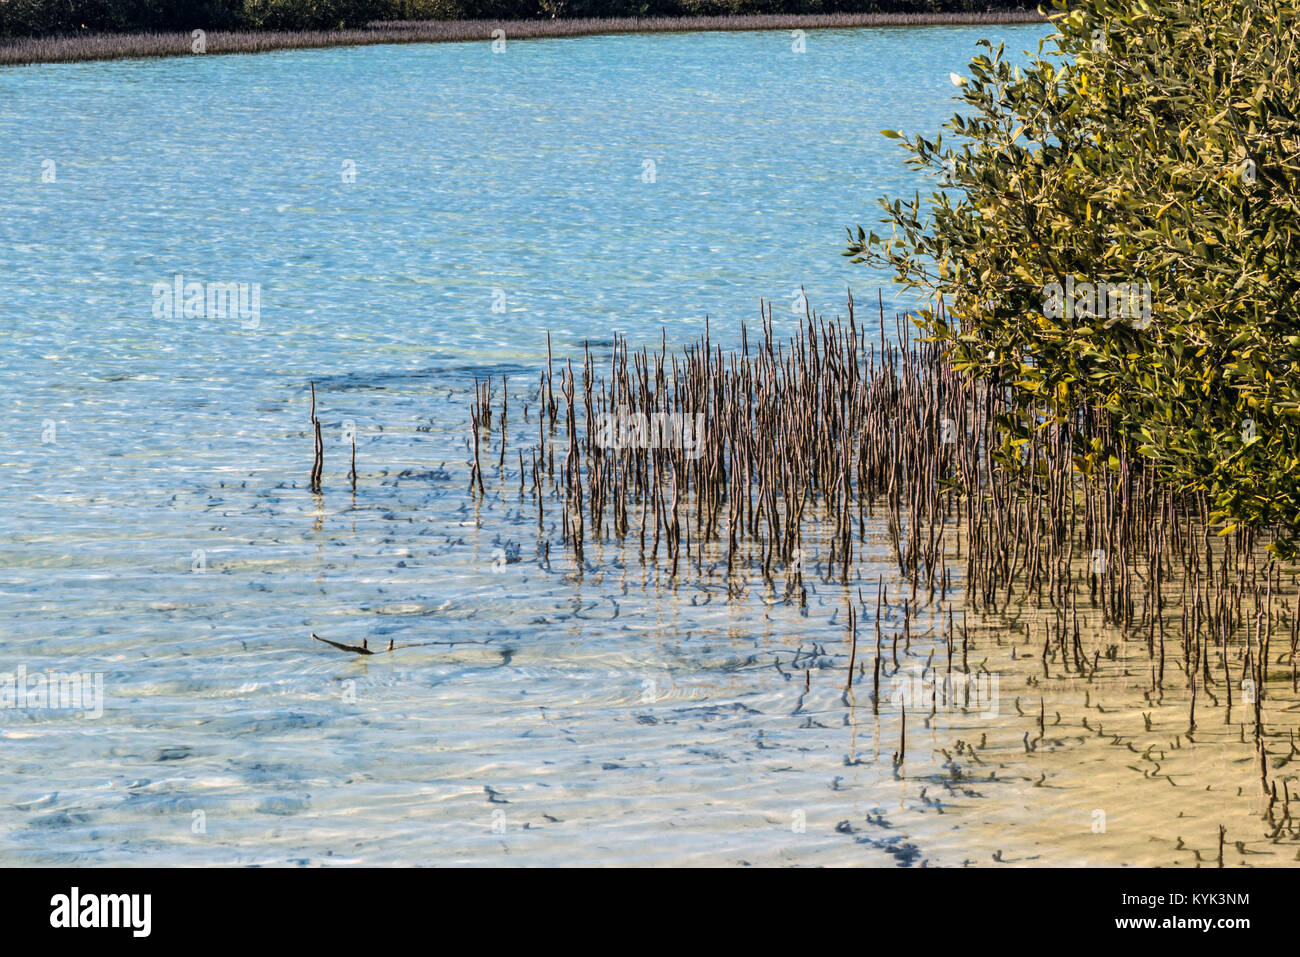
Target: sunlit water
[[417, 216]]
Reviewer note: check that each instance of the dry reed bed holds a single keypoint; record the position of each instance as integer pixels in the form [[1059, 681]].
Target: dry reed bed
[[845, 423], [68, 49]]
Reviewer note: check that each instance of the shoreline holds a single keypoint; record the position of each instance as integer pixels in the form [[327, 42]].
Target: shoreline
[[24, 51]]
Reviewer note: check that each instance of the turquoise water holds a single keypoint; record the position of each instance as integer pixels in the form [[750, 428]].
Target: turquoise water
[[411, 216]]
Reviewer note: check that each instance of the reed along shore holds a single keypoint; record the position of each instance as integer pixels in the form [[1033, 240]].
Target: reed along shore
[[118, 46], [807, 449]]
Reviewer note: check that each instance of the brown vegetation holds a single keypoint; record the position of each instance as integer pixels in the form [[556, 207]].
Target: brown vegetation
[[66, 49]]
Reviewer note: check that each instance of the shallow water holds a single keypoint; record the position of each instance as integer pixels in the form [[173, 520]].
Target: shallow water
[[155, 525]]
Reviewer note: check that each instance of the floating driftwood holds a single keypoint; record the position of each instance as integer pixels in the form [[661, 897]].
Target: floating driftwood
[[361, 649]]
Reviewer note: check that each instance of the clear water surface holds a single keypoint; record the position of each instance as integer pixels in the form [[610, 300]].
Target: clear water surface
[[416, 216]]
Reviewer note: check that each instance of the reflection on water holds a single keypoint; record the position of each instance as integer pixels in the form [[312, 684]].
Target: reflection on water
[[157, 531]]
